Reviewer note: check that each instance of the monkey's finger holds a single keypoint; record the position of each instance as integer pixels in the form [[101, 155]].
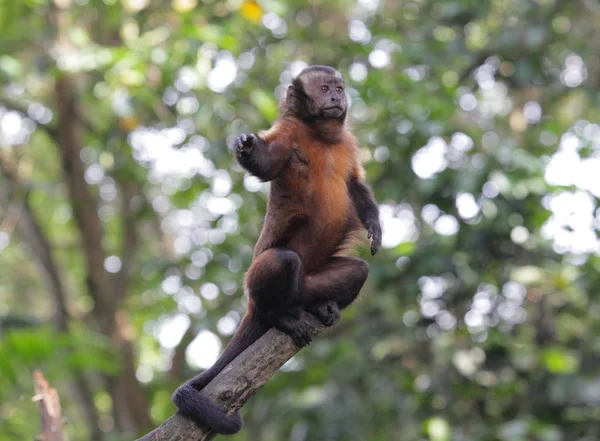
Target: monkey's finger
[[239, 141], [248, 140], [369, 226], [376, 243], [307, 339], [301, 338], [374, 249]]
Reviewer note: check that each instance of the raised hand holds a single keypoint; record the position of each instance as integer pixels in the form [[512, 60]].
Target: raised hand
[[244, 144]]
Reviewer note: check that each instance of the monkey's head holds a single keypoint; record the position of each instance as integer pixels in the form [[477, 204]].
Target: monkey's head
[[317, 93]]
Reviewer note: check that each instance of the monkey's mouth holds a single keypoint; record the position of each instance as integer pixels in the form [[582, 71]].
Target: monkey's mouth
[[332, 112]]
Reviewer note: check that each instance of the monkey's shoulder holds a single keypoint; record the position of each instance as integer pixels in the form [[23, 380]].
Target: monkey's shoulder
[[311, 157], [285, 130]]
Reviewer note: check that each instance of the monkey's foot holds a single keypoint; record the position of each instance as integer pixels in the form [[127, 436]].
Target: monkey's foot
[[290, 324], [328, 313]]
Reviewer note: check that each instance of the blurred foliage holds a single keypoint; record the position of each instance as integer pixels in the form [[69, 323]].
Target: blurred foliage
[[479, 123]]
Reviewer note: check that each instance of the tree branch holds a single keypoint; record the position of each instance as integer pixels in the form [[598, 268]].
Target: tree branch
[[232, 388], [50, 412]]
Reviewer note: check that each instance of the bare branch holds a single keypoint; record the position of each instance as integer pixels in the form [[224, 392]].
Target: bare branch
[[50, 411], [232, 388]]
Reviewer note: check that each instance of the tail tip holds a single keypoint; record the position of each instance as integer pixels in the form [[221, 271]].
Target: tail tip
[[203, 411]]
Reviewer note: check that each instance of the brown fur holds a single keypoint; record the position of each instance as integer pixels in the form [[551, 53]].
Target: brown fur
[[311, 194]]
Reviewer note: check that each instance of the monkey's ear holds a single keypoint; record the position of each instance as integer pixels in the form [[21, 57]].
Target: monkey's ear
[[290, 95]]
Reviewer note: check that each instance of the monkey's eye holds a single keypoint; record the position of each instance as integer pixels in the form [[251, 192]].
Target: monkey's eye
[[324, 88], [339, 89]]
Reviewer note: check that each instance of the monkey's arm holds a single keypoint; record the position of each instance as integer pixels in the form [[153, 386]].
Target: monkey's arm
[[265, 160], [366, 207]]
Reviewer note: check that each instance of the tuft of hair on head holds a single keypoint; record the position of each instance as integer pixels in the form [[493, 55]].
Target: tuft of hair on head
[[315, 70], [318, 68]]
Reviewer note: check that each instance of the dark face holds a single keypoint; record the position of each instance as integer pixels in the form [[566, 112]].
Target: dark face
[[318, 93], [327, 95]]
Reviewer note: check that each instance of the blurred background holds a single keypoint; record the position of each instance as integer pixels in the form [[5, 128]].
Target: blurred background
[[126, 226]]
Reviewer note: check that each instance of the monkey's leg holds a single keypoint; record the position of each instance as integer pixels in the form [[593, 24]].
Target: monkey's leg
[[274, 279], [333, 287], [274, 282]]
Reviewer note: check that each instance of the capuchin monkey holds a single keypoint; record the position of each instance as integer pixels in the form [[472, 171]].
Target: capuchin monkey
[[318, 205]]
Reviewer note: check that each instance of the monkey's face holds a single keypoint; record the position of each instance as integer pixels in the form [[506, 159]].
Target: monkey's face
[[317, 93], [326, 95]]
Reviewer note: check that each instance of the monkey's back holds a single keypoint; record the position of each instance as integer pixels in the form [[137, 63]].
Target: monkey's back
[[309, 208]]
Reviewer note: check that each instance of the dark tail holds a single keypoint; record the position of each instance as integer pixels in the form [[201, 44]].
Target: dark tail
[[192, 403]]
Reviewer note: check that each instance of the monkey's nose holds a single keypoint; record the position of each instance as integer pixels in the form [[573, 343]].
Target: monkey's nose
[[333, 99]]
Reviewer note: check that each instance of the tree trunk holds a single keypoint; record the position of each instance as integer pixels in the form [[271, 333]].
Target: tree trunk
[[129, 402]]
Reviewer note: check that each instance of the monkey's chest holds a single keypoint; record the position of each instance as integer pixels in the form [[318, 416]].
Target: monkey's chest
[[320, 180]]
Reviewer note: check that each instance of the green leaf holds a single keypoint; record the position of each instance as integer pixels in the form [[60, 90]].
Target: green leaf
[[406, 248], [31, 345], [560, 361], [438, 429]]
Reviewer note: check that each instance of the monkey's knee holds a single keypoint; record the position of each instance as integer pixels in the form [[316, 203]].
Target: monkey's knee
[[356, 278], [362, 271], [274, 266], [274, 278]]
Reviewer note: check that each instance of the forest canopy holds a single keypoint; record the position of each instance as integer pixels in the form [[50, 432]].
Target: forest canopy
[[126, 225]]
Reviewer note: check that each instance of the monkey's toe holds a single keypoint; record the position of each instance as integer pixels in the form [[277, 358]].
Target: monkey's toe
[[328, 313], [299, 331], [301, 336]]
